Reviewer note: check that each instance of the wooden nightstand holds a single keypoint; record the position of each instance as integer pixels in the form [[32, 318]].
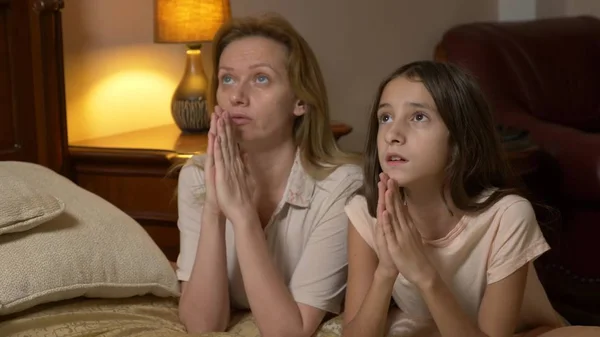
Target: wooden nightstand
[[131, 171]]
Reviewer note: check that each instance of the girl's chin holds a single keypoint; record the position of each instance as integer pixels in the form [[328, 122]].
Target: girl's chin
[[400, 179]]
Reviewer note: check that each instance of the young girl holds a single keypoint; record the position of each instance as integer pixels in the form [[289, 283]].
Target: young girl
[[437, 226]]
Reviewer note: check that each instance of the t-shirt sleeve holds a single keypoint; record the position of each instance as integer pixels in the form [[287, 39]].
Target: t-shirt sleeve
[[518, 241], [190, 191], [319, 279], [358, 214]]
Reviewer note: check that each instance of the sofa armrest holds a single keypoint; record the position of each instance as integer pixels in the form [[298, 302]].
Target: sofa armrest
[[577, 154]]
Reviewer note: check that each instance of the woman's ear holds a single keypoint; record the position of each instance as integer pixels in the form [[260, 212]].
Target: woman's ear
[[300, 108]]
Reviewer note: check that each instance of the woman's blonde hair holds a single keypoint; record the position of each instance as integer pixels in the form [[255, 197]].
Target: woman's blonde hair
[[319, 151]]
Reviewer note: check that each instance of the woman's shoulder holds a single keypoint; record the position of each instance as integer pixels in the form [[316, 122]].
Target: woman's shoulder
[[345, 174], [191, 175]]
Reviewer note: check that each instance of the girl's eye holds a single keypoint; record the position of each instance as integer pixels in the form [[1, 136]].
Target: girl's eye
[[420, 117], [384, 118], [262, 79], [227, 79]]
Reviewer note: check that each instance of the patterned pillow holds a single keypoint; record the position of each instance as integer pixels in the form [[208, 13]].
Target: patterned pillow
[[91, 249], [22, 207]]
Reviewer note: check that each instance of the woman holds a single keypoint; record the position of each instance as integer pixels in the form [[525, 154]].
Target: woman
[[261, 215]]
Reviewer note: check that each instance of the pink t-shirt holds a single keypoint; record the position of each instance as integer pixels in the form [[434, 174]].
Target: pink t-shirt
[[481, 249]]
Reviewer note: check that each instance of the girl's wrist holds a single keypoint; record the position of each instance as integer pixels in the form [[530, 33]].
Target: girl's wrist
[[385, 276], [430, 279]]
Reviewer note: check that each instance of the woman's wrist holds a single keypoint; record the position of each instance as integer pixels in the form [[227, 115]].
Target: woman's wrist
[[246, 217], [213, 216]]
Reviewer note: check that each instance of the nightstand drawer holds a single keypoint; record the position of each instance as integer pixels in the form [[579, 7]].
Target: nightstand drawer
[[149, 200], [141, 197]]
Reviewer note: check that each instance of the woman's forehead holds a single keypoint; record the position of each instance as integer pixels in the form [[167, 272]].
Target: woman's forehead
[[252, 52]]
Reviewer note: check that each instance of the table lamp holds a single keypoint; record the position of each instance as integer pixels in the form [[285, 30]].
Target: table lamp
[[192, 22]]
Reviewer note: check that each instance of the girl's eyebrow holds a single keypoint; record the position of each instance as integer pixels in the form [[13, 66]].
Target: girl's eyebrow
[[421, 105], [384, 105]]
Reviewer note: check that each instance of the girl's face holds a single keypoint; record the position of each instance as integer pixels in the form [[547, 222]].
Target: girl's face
[[412, 139], [254, 88]]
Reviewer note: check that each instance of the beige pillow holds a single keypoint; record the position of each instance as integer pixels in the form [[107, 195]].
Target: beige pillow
[[91, 249], [22, 207]]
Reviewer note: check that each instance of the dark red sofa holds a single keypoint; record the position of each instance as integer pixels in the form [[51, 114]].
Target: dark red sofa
[[543, 77]]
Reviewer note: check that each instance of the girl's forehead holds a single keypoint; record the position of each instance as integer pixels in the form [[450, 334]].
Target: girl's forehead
[[403, 92]]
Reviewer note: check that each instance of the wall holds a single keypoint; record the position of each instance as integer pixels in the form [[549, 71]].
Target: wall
[[554, 8], [118, 80], [515, 10]]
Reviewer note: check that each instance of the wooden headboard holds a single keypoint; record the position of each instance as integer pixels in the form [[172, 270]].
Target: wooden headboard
[[32, 91]]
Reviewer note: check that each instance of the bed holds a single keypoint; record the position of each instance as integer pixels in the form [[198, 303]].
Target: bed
[[72, 264]]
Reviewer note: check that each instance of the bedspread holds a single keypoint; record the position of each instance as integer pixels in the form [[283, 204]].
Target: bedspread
[[145, 316]]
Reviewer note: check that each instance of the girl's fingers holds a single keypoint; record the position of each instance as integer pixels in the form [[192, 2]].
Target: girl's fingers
[[380, 243], [380, 200], [395, 203], [389, 229]]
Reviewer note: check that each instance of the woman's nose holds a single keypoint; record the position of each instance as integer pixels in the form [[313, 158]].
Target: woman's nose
[[239, 96]]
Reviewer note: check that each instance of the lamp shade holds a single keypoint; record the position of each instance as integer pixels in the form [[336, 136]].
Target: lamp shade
[[188, 21]]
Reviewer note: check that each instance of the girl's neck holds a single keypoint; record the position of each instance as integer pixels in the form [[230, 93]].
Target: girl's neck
[[433, 216]]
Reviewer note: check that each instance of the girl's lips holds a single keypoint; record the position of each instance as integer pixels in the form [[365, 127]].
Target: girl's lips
[[396, 162]]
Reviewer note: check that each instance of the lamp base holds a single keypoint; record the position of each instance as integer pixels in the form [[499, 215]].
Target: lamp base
[[189, 108], [191, 116]]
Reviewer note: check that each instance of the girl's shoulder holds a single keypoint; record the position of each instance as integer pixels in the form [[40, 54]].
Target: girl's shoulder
[[511, 203], [510, 213], [358, 214]]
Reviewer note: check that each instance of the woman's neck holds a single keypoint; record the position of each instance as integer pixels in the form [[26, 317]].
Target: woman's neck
[[271, 167], [433, 216]]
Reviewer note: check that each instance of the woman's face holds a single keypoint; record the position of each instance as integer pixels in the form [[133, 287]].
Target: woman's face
[[253, 86]]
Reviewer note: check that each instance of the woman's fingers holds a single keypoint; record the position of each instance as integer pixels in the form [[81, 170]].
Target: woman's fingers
[[212, 131], [231, 143], [218, 110], [222, 143], [218, 155]]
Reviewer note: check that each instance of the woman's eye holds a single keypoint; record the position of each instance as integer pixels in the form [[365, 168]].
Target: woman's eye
[[227, 79], [384, 118], [262, 79]]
